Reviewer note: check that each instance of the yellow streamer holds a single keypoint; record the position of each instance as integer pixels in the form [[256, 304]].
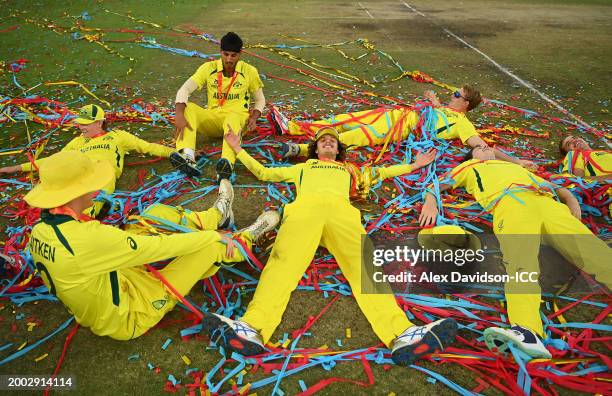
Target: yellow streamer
[[83, 87]]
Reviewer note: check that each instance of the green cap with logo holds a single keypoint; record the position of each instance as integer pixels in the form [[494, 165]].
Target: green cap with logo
[[327, 131], [90, 114]]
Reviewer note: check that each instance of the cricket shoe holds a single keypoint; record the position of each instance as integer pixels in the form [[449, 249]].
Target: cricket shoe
[[289, 150], [279, 121], [418, 341], [224, 202], [6, 259], [264, 223], [185, 164], [233, 335], [224, 170], [526, 340]]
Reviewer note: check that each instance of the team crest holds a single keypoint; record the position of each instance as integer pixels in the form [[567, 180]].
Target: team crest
[[159, 304], [132, 243]]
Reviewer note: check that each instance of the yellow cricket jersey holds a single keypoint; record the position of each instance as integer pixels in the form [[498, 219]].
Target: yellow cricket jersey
[[488, 180], [450, 124], [593, 163], [96, 269], [235, 92], [385, 172], [111, 147], [319, 178]]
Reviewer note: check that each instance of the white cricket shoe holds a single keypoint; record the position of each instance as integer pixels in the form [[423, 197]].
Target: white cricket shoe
[[234, 335], [224, 203], [418, 341], [497, 339]]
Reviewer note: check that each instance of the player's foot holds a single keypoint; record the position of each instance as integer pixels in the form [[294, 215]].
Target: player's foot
[[224, 170], [279, 121], [418, 341], [526, 340], [224, 203], [233, 335], [264, 223], [185, 164]]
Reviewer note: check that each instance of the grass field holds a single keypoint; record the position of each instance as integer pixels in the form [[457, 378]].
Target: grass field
[[562, 48]]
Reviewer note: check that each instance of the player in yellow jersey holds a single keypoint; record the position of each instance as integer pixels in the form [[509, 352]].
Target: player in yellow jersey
[[97, 142], [97, 270], [581, 160], [377, 126], [524, 213], [230, 85], [323, 215]]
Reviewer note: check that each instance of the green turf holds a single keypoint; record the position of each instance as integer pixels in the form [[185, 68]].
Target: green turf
[[563, 48]]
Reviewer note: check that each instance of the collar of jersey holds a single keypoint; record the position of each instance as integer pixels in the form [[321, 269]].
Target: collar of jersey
[[311, 160], [54, 219], [448, 111], [220, 67]]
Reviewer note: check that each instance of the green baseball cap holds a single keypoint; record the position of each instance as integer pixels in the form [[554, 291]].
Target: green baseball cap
[[89, 114]]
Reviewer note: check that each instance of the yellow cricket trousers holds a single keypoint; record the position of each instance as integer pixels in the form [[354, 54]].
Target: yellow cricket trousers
[[363, 128], [201, 221], [520, 229], [307, 222], [150, 299], [211, 123]]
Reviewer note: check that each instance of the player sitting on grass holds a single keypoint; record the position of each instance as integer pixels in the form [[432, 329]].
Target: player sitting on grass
[[230, 85], [97, 270]]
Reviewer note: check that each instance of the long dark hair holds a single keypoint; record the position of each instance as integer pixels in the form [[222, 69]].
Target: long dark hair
[[312, 151], [562, 149], [469, 155]]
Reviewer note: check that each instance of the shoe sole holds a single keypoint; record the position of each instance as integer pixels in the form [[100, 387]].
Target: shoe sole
[[222, 333], [224, 170], [275, 122], [180, 163], [445, 333], [493, 334]]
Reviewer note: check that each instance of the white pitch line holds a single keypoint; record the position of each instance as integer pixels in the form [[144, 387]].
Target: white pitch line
[[366, 10], [506, 71], [357, 17], [414, 9], [336, 17]]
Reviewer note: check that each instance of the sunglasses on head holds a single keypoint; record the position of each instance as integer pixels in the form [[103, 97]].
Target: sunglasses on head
[[457, 94]]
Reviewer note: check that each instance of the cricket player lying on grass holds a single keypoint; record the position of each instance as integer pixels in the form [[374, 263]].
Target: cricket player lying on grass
[[323, 215], [97, 142], [522, 206], [382, 125], [581, 160]]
